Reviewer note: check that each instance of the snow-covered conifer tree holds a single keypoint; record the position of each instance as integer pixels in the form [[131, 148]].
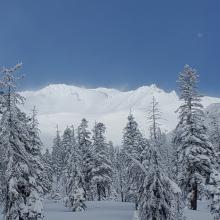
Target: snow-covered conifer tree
[[102, 171], [158, 192], [21, 189], [134, 145], [2, 155], [56, 165], [35, 132], [121, 175], [195, 151], [155, 116], [174, 165], [214, 190], [132, 138], [36, 145], [57, 155], [37, 163], [214, 134], [75, 194], [60, 156], [67, 145], [48, 170], [85, 147], [112, 152]]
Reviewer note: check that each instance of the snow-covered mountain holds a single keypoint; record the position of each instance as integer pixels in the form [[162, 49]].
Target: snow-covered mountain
[[66, 105], [213, 110]]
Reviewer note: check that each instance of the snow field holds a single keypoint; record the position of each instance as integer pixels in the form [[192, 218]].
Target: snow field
[[106, 210], [202, 213]]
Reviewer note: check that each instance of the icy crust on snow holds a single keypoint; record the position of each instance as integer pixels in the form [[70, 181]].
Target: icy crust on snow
[[65, 105]]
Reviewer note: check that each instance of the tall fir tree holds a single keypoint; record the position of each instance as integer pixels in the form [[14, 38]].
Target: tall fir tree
[[112, 152], [155, 116], [196, 157], [72, 154], [67, 145], [2, 155], [214, 191], [56, 165], [122, 183], [135, 145], [174, 164], [157, 194], [132, 138], [85, 146], [48, 170], [36, 147], [214, 134], [102, 171], [75, 194], [21, 163], [57, 154], [37, 164]]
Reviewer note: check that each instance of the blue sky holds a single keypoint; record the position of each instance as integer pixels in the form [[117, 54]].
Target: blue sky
[[112, 43]]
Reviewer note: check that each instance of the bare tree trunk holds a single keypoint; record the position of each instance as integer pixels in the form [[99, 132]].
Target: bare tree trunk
[[194, 196], [136, 205], [99, 193], [122, 196]]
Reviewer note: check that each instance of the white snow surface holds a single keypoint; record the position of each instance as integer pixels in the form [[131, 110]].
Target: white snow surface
[[66, 105], [95, 211], [202, 213], [109, 210]]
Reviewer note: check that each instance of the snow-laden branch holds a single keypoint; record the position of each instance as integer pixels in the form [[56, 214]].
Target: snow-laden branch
[[137, 163]]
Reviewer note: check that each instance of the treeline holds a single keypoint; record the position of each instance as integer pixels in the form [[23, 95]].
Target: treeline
[[161, 174]]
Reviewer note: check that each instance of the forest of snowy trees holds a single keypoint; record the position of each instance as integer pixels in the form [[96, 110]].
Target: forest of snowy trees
[[161, 174]]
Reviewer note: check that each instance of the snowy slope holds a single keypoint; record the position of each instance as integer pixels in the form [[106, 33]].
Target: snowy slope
[[65, 105], [213, 110]]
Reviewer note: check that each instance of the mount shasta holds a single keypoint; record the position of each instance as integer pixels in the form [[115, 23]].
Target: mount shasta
[[66, 105]]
